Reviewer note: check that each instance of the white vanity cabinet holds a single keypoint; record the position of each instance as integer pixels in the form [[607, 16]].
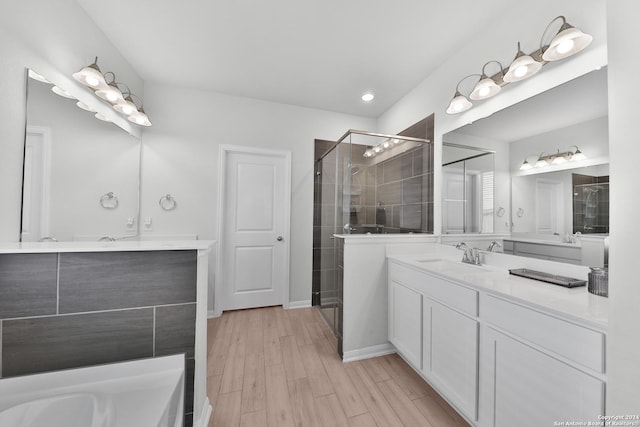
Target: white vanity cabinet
[[537, 369], [432, 325]]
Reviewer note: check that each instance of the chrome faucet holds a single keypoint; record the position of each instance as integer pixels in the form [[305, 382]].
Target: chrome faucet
[[471, 255], [493, 245]]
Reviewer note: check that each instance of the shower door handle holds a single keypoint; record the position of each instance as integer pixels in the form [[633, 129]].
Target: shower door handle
[[280, 239]]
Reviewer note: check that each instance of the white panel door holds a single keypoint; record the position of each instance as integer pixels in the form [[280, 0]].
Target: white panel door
[[35, 196], [547, 207], [255, 229]]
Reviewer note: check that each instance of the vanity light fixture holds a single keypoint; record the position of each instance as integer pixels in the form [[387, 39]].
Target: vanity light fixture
[[555, 159], [110, 91], [85, 107], [566, 42], [38, 77]]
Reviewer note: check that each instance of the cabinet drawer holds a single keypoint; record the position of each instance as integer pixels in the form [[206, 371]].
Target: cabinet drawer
[[450, 293], [577, 343]]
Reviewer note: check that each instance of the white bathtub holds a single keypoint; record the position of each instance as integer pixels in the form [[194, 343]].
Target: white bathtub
[[141, 393]]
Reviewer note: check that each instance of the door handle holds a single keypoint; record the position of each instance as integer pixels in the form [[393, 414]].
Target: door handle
[[280, 239]]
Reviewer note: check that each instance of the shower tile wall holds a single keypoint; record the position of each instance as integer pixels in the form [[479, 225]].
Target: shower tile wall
[[395, 193], [68, 310]]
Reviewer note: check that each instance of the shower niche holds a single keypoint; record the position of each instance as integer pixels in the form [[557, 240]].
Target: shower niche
[[590, 204]]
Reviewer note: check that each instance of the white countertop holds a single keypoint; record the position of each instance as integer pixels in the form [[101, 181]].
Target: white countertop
[[117, 246], [493, 277]]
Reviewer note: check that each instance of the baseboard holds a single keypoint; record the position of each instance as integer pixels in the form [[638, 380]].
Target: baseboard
[[211, 314], [299, 304], [368, 352], [203, 420]]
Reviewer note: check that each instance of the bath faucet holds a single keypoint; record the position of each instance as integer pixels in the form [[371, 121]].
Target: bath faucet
[[471, 255], [493, 245]]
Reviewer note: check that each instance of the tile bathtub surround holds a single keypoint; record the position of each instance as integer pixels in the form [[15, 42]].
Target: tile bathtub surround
[[68, 310], [28, 285], [112, 280], [45, 344]]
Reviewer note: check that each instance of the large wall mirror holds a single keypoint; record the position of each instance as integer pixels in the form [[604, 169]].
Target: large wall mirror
[[558, 198], [81, 174]]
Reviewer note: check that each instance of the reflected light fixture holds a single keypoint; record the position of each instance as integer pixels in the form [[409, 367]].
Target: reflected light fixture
[[62, 92], [566, 42], [459, 102], [522, 67], [486, 86], [555, 159], [85, 107], [39, 77]]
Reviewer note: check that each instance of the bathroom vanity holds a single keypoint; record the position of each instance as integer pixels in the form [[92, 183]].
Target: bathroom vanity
[[500, 348], [75, 304]]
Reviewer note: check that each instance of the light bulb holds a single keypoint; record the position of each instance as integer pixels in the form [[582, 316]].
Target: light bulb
[[565, 46], [520, 71], [377, 149]]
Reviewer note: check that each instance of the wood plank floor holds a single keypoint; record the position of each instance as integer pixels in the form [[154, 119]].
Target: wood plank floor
[[277, 368]]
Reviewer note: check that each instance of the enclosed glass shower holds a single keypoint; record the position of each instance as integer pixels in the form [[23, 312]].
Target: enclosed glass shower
[[366, 183]]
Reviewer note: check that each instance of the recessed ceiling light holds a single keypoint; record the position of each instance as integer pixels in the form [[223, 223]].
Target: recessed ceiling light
[[368, 97]]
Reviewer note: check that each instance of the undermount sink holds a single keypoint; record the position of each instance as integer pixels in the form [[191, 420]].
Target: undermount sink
[[446, 265]]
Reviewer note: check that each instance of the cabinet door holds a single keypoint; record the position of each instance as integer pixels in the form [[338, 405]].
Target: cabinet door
[[450, 349], [405, 322], [526, 387]]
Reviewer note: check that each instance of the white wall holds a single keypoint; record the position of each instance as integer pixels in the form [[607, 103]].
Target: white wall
[[180, 156], [623, 343], [56, 39]]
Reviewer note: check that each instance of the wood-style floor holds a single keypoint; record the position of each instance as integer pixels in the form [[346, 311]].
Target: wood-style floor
[[274, 367]]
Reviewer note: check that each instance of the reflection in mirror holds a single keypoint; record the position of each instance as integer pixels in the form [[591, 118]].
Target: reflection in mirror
[[467, 190], [562, 203], [71, 161]]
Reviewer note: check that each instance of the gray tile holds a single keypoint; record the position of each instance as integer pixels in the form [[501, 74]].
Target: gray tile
[[411, 218], [112, 280], [412, 190], [175, 329], [60, 342], [28, 285], [389, 194], [419, 166], [190, 369], [406, 162], [392, 170]]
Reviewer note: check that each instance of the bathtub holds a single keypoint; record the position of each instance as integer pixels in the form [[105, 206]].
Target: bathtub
[[140, 393]]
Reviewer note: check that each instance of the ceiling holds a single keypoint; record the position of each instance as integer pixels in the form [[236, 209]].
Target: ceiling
[[576, 101], [316, 53]]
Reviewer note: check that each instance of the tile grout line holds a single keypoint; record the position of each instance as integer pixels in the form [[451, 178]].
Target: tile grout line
[[58, 286], [153, 330]]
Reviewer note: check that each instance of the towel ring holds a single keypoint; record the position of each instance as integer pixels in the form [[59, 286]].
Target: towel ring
[[520, 212], [500, 212], [167, 202], [109, 201]]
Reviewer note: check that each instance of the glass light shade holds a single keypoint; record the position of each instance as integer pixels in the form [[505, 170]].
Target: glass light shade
[[126, 106], [578, 155], [484, 89], [525, 166], [567, 42], [85, 107], [396, 141], [139, 117], [111, 94], [541, 163], [377, 149], [90, 76], [62, 92], [368, 153], [458, 104], [524, 66], [558, 160], [386, 144]]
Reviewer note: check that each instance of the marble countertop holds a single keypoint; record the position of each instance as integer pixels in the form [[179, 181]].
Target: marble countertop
[[117, 246], [575, 304]]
